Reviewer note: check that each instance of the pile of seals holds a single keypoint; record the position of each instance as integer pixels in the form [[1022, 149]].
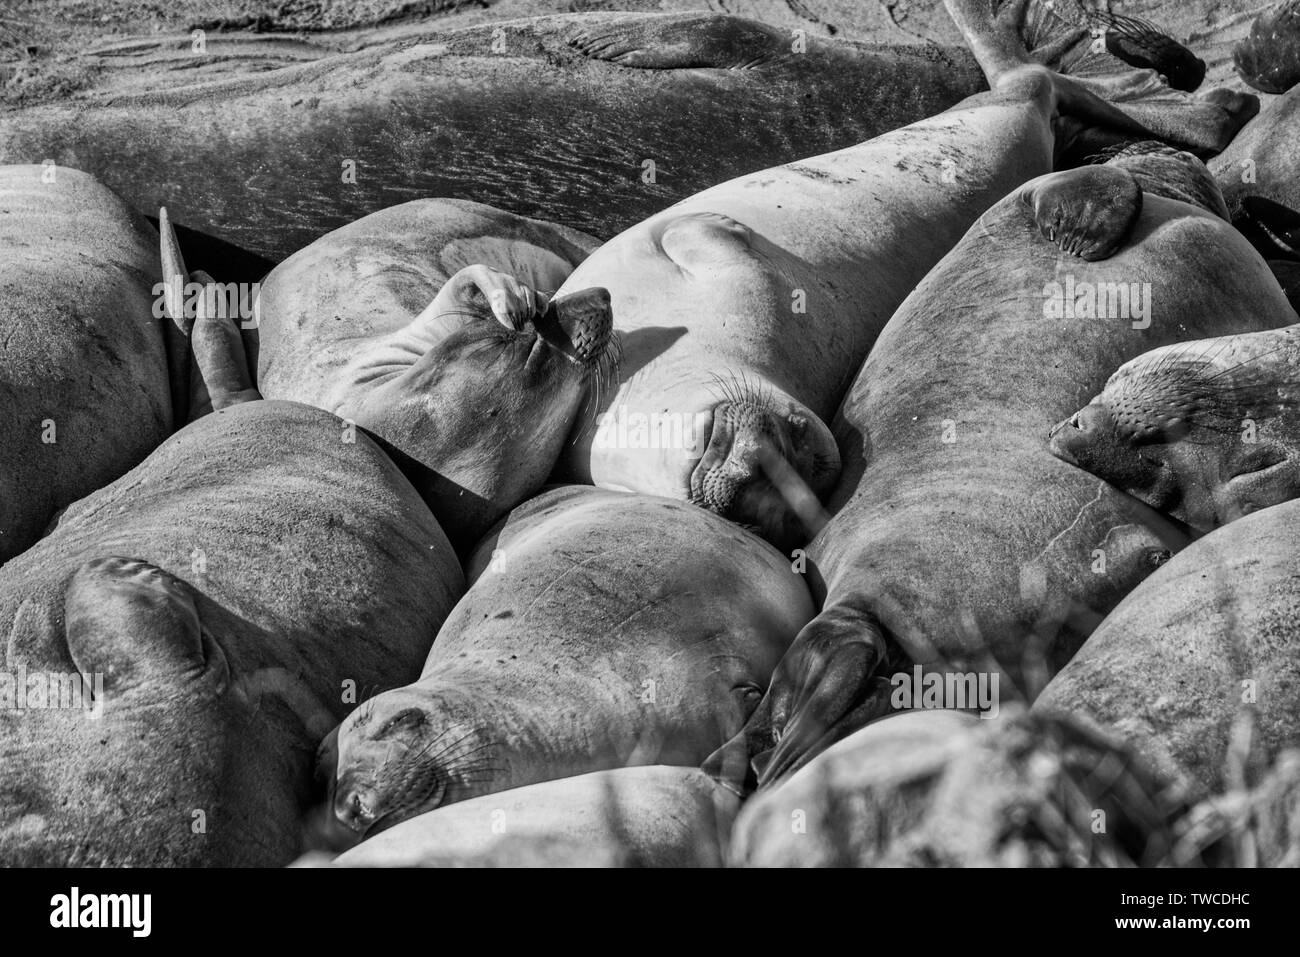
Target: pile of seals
[[908, 476]]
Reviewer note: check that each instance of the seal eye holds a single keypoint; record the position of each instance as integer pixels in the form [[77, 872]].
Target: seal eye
[[407, 719], [1257, 460]]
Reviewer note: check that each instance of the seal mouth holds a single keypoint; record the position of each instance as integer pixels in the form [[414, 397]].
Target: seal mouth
[[766, 470], [1280, 223]]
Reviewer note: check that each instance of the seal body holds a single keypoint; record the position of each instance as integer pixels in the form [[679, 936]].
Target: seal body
[[84, 391], [427, 324], [746, 309], [653, 816], [601, 630], [578, 107], [226, 600], [958, 540], [1207, 641]]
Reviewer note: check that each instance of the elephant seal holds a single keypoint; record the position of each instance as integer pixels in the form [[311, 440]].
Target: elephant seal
[[1259, 174], [84, 375], [418, 321], [1269, 59], [746, 309], [652, 816], [601, 629], [575, 109], [958, 542], [1209, 636], [942, 789], [1206, 431], [224, 601]]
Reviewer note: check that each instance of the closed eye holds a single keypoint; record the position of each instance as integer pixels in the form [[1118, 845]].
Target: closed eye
[[1257, 460], [406, 720]]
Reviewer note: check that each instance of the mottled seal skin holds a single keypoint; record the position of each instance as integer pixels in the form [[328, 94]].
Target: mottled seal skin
[[230, 590], [1269, 59], [958, 540], [943, 789], [1259, 174], [653, 816], [1210, 635], [84, 391], [601, 630], [431, 325], [1206, 431], [746, 309], [574, 105]]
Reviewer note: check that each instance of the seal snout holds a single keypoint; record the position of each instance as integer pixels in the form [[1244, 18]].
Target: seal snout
[[765, 469], [1068, 439], [354, 805], [580, 326]]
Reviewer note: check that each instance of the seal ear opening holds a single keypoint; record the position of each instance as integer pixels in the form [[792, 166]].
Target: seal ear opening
[[136, 625]]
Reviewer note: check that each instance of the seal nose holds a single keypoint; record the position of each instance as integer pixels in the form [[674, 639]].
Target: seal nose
[[352, 808], [1067, 439], [579, 325]]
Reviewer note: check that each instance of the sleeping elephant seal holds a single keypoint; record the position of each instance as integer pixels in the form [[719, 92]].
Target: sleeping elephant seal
[[653, 816], [1269, 59], [84, 387], [959, 542], [554, 117], [221, 600], [942, 789], [1211, 634], [746, 309], [377, 321], [601, 629], [1206, 431]]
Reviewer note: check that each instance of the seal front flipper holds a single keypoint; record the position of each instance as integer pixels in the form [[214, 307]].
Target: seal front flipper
[[1088, 212], [825, 688], [671, 42], [137, 625]]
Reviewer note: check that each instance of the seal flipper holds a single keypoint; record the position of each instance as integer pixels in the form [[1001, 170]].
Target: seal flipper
[[1088, 212], [177, 326], [1140, 43], [682, 43], [137, 625], [1001, 36], [220, 375], [825, 688], [206, 356]]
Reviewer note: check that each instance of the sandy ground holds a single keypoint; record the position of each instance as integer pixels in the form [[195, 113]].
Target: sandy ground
[[42, 42]]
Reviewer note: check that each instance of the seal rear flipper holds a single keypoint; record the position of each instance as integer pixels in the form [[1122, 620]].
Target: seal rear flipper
[[1002, 36], [1088, 212], [1140, 43], [177, 327], [220, 375], [670, 42]]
